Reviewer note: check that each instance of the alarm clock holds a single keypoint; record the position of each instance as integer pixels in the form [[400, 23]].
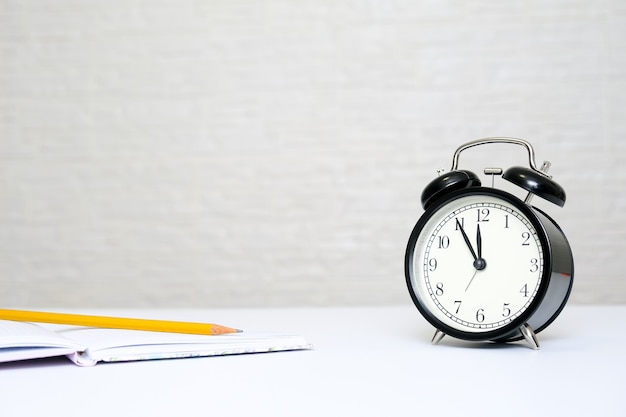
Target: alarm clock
[[484, 265]]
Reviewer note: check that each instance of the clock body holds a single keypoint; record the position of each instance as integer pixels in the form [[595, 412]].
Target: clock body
[[480, 263]]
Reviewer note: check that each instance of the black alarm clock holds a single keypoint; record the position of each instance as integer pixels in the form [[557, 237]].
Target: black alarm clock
[[482, 264]]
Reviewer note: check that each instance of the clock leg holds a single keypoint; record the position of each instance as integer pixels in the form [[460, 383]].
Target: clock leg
[[529, 335], [437, 337]]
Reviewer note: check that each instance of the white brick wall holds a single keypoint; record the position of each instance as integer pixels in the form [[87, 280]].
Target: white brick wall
[[254, 153]]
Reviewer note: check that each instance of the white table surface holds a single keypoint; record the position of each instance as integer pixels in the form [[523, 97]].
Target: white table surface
[[374, 361]]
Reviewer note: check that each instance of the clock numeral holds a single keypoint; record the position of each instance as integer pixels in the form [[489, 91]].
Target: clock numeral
[[444, 242], [432, 264], [506, 311], [460, 222], [506, 221], [526, 237], [439, 290], [534, 265], [483, 215], [457, 303], [524, 290], [480, 315]]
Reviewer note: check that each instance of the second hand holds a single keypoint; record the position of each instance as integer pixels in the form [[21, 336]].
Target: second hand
[[472, 279]]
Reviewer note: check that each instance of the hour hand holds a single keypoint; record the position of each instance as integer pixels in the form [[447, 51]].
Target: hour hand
[[479, 242], [479, 263]]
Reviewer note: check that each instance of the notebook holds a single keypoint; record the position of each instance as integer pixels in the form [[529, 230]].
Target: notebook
[[86, 346]]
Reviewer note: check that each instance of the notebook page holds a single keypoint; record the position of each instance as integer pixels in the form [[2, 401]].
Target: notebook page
[[20, 340], [15, 334], [96, 338], [111, 345]]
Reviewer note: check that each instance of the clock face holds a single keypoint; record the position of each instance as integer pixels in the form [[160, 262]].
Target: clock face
[[476, 262]]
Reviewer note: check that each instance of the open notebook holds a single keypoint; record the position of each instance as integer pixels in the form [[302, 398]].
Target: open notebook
[[86, 346]]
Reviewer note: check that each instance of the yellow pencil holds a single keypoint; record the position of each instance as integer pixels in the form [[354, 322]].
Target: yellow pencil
[[116, 322]]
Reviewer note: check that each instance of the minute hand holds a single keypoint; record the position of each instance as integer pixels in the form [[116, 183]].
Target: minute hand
[[467, 241]]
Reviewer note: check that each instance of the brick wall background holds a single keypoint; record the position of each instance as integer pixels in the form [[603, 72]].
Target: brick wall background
[[266, 153]]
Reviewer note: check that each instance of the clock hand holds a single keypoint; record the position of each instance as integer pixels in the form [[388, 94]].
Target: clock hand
[[479, 242], [471, 279], [479, 263], [467, 241]]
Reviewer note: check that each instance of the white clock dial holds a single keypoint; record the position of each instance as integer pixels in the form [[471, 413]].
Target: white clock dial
[[478, 263]]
